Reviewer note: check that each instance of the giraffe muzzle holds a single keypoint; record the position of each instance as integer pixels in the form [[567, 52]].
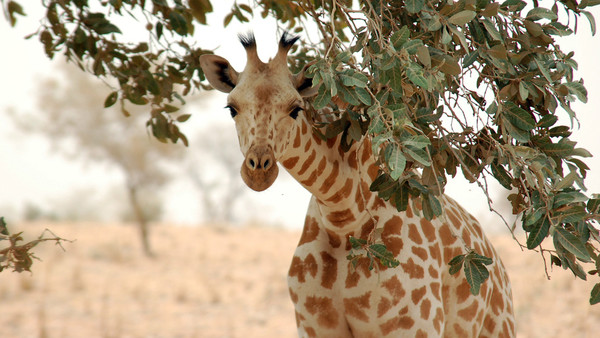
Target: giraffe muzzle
[[259, 169]]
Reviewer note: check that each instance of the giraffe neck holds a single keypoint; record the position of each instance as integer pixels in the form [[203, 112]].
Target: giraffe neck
[[338, 180]]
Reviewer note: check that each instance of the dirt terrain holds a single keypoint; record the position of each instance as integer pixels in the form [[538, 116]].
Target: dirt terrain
[[213, 281]]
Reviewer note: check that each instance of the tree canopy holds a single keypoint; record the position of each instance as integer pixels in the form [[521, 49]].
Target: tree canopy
[[440, 87]]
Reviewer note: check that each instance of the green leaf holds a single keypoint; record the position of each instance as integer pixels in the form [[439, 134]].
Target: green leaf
[[538, 232], [400, 37], [418, 141], [518, 116], [183, 118], [414, 6], [322, 98], [412, 46], [394, 79], [349, 95], [462, 18], [431, 206], [547, 121], [557, 149], [178, 23], [414, 72], [418, 154], [593, 205], [351, 78], [577, 89], [476, 273], [491, 29], [470, 58], [595, 294], [456, 264], [544, 70], [572, 244], [539, 13], [592, 21], [396, 161], [517, 133], [111, 99], [401, 196], [363, 96], [501, 175], [574, 213]]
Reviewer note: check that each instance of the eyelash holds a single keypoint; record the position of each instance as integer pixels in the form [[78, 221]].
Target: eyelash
[[295, 111], [232, 111]]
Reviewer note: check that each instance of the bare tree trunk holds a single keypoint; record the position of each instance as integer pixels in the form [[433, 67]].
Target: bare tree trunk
[[141, 219]]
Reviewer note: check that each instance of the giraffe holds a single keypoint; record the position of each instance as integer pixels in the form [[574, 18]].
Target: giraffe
[[332, 298]]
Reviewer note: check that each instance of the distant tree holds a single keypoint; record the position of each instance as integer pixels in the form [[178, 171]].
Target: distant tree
[[72, 116], [215, 172], [440, 87]]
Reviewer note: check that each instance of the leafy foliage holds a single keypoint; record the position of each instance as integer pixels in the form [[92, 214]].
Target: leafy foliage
[[17, 256], [439, 87]]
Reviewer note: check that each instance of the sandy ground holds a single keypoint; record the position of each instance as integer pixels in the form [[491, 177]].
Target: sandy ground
[[219, 282]]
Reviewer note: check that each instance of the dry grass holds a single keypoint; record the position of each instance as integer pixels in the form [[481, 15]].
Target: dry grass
[[218, 282]]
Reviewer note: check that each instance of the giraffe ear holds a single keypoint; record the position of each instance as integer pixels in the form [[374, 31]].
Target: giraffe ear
[[304, 84], [219, 73]]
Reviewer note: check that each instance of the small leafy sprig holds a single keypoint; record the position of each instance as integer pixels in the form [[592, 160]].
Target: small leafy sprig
[[373, 251], [19, 257]]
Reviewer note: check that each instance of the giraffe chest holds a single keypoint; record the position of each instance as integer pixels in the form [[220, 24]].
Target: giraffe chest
[[366, 299]]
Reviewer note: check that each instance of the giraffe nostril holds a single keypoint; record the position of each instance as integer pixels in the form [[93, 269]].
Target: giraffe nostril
[[266, 164], [252, 164]]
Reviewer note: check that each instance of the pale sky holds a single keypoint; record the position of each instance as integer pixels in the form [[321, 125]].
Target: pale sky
[[31, 171]]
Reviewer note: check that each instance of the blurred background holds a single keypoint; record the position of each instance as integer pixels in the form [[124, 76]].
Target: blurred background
[[221, 251]]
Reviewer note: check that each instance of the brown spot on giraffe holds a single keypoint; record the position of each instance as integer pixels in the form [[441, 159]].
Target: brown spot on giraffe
[[297, 139], [384, 305], [356, 306], [462, 292], [367, 228], [290, 162], [390, 235], [435, 290], [446, 235], [397, 323], [353, 276], [299, 268], [421, 334], [417, 294], [352, 160], [425, 308], [330, 180], [414, 271], [340, 218], [310, 232], [428, 230], [413, 234], [330, 270], [433, 272], [334, 239], [343, 193], [323, 309], [306, 164], [395, 289], [469, 312]]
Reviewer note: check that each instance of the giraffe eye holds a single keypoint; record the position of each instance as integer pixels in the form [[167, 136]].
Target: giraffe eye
[[295, 111], [232, 110]]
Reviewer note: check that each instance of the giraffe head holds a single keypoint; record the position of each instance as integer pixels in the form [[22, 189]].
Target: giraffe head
[[264, 100]]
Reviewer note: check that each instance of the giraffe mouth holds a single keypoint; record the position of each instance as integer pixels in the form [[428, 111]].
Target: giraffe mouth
[[259, 169]]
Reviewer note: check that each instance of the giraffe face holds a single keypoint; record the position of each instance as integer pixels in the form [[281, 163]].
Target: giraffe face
[[264, 100]]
